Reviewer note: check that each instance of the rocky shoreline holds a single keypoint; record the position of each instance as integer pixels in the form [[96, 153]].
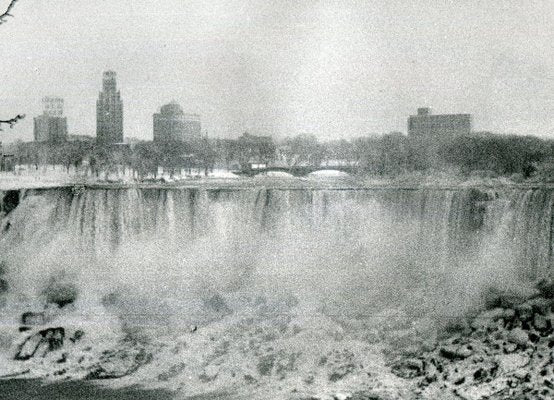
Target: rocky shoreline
[[506, 352], [503, 352]]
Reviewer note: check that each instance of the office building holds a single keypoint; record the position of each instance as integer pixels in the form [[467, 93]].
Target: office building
[[109, 111], [51, 126], [172, 124], [427, 125]]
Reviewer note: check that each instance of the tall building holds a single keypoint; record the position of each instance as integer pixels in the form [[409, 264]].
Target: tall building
[[109, 111], [51, 126], [172, 124], [427, 125]]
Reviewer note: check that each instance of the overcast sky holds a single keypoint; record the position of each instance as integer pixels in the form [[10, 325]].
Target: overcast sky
[[334, 69]]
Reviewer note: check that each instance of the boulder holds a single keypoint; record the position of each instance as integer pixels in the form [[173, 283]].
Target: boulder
[[341, 372], [510, 348], [519, 337], [60, 293], [409, 368], [173, 371], [488, 318], [453, 352], [119, 363], [366, 395], [540, 305], [524, 312], [28, 348], [512, 362], [522, 374], [508, 298], [77, 336], [430, 371], [41, 343], [546, 288], [541, 324], [508, 314], [33, 318]]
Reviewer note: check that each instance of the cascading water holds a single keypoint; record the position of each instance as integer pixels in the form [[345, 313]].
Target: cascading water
[[277, 280]]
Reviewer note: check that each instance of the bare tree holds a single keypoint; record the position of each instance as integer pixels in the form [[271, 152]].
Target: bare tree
[[12, 121], [6, 13]]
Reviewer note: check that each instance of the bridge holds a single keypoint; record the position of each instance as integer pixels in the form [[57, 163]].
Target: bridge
[[295, 170]]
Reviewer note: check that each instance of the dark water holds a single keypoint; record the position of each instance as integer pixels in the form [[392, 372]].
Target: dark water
[[34, 389]]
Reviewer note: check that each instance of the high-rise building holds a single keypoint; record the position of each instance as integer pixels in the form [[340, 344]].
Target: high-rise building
[[427, 125], [51, 126], [172, 124], [109, 111]]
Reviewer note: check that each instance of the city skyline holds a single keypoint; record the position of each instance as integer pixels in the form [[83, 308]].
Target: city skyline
[[323, 68]]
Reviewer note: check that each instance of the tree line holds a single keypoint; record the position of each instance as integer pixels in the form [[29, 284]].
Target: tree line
[[386, 155]]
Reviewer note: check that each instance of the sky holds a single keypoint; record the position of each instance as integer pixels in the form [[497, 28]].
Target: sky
[[334, 69]]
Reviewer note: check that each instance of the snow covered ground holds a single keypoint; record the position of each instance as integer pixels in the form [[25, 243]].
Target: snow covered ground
[[328, 173], [54, 176], [35, 179]]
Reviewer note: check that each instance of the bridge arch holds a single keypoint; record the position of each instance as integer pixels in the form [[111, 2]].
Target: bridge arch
[[298, 171]]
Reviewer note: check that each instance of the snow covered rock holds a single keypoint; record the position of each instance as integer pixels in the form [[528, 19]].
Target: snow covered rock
[[40, 343], [519, 337], [119, 363], [509, 354], [33, 318], [456, 352]]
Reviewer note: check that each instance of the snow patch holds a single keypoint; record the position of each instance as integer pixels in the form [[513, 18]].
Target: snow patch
[[328, 173]]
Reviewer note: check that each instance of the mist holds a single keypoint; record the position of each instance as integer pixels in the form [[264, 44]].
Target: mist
[[350, 257]]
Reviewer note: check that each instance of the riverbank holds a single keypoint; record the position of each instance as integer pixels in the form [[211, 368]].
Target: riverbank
[[285, 183]]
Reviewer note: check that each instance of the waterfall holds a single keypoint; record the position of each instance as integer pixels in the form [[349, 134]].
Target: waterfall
[[445, 225], [370, 246], [291, 270]]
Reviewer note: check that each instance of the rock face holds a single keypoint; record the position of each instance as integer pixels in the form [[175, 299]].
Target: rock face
[[507, 355], [9, 201], [40, 343]]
